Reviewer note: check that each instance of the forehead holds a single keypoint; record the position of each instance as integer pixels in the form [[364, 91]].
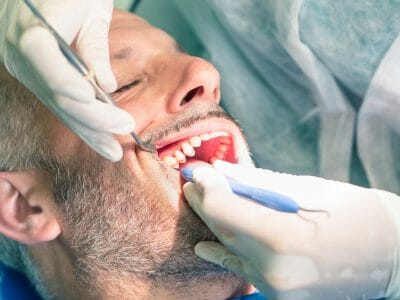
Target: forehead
[[130, 33]]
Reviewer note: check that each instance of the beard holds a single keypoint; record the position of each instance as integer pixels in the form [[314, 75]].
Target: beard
[[121, 226]]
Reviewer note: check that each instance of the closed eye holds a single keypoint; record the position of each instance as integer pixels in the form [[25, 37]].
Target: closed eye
[[128, 86]]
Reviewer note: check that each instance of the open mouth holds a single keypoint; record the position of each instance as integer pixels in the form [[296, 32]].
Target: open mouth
[[199, 145], [207, 147]]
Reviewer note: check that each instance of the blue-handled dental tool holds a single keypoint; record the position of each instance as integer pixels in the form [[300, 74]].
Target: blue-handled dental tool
[[263, 197]]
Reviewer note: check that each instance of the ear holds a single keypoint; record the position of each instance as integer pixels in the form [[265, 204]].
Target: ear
[[27, 208]]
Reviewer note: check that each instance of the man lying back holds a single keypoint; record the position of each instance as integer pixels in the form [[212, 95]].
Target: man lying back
[[81, 227]]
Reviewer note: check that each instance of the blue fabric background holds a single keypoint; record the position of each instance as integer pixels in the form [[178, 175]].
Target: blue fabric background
[[14, 285]]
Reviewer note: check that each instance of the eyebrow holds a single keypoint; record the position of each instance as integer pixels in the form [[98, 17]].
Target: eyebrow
[[127, 52], [123, 54]]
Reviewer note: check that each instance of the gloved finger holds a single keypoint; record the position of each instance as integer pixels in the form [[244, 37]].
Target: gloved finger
[[92, 44], [212, 200], [66, 17], [207, 177], [103, 143], [305, 190], [230, 216], [241, 173], [93, 47], [97, 115], [195, 199], [55, 70], [207, 181], [216, 253]]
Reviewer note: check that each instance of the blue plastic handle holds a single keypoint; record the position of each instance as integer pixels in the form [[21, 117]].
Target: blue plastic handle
[[266, 198]]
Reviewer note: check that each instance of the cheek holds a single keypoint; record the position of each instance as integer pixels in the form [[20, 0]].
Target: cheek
[[64, 142], [163, 182]]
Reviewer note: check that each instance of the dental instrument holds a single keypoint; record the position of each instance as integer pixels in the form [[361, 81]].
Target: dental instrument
[[263, 197], [82, 68]]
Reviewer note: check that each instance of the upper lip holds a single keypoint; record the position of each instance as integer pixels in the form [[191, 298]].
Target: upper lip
[[204, 126]]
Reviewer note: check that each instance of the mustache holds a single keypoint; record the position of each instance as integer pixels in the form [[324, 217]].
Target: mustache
[[187, 120]]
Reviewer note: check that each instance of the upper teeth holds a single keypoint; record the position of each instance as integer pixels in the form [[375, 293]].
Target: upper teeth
[[195, 141], [180, 156], [205, 137], [187, 148]]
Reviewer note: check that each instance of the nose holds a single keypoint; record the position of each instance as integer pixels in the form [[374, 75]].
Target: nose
[[173, 83], [198, 81]]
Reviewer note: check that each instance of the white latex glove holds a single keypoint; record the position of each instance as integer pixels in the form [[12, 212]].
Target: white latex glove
[[29, 50], [352, 253]]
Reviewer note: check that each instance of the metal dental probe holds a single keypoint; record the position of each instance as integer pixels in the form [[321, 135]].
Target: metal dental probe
[[82, 68]]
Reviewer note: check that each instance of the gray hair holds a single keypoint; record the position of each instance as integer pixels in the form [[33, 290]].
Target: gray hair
[[23, 130], [23, 146]]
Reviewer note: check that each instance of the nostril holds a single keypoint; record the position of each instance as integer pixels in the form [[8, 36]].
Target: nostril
[[191, 94]]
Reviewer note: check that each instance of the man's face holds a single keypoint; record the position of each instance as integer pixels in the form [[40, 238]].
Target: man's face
[[130, 217]]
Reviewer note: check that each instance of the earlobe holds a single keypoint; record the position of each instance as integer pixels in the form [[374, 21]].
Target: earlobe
[[25, 209]]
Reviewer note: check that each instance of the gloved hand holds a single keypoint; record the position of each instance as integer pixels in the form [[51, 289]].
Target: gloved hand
[[350, 252], [29, 50]]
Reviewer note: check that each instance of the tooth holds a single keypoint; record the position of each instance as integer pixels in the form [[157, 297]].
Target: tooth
[[214, 134], [180, 156], [213, 159], [218, 133], [226, 141], [223, 148], [176, 166], [219, 154], [169, 160], [187, 149], [205, 137], [195, 141], [223, 133]]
